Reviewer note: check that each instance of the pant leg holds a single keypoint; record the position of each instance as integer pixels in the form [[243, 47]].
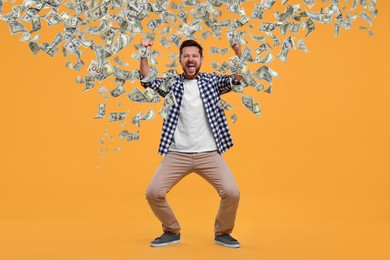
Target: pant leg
[[171, 170], [212, 167]]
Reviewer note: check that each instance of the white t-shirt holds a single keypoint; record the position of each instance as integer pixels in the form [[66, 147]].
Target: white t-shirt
[[193, 132]]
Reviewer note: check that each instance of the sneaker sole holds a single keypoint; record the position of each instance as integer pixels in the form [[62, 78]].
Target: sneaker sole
[[227, 245], [165, 244]]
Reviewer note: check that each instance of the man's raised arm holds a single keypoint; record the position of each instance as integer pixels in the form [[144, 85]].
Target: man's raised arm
[[144, 65], [237, 50]]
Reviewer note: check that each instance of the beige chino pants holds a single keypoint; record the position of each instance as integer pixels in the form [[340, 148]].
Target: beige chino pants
[[209, 165]]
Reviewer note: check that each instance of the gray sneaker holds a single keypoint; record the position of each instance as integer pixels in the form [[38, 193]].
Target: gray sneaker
[[166, 239], [227, 240]]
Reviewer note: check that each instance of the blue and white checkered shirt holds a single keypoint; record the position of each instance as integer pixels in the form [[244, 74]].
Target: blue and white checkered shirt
[[211, 86]]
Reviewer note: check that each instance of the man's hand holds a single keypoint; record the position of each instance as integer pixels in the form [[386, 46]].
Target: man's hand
[[237, 49], [147, 43]]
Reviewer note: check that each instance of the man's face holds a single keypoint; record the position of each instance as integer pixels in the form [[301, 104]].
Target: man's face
[[190, 61]]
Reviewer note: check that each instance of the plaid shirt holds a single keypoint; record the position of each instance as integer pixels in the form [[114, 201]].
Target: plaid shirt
[[211, 86]]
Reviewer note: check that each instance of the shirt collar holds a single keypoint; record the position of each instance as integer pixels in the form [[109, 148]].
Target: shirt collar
[[198, 77]]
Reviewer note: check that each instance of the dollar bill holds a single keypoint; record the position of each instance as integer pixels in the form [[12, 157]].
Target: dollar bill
[[268, 3], [234, 64], [370, 33], [263, 47], [309, 25], [267, 27], [153, 73], [187, 30], [101, 113], [275, 39], [268, 90], [163, 111], [153, 24], [30, 14], [232, 36], [149, 115], [309, 3], [167, 29], [172, 64], [302, 45], [108, 36], [294, 27], [133, 136], [164, 42], [123, 134], [81, 7], [118, 61], [49, 51], [257, 13], [224, 68], [224, 51], [98, 12], [174, 39], [53, 18], [56, 41], [34, 47], [166, 83], [144, 52], [238, 88], [149, 94], [288, 43], [248, 102], [72, 46], [182, 15], [36, 24], [116, 4], [135, 119], [366, 17], [16, 27], [100, 73], [137, 96], [263, 74], [79, 64], [257, 38], [170, 73], [215, 50], [170, 100], [266, 59], [118, 91], [256, 109], [233, 117], [246, 55], [89, 83], [214, 65], [117, 116], [222, 104]]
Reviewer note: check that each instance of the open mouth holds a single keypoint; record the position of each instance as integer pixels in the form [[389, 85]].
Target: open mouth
[[191, 68]]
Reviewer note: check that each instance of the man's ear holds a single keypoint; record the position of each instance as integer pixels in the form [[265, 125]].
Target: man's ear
[[201, 59]]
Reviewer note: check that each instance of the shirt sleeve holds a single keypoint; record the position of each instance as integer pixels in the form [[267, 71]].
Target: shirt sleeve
[[225, 83], [154, 84]]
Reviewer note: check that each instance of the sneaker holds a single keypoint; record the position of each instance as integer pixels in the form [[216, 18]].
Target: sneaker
[[227, 240], [166, 239]]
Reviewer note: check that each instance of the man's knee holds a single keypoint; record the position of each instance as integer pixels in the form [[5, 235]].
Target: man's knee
[[233, 194], [153, 194]]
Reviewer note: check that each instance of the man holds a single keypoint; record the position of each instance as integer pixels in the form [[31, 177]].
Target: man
[[194, 135]]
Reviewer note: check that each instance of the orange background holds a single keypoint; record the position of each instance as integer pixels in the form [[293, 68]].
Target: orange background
[[313, 170]]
